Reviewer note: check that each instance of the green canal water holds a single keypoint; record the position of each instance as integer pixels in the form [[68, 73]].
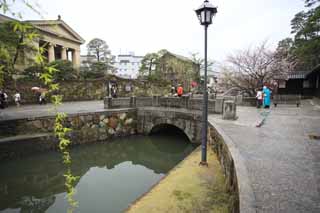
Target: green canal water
[[112, 175]]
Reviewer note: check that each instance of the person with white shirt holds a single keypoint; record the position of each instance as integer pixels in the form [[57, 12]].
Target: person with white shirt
[[259, 98], [17, 98]]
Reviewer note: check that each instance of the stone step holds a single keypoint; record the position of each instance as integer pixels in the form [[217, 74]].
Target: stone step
[[25, 137]]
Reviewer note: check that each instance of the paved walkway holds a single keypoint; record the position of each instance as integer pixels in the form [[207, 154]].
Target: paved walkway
[[282, 161], [27, 111]]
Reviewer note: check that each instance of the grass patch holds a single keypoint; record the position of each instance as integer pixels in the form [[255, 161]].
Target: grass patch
[[189, 188]]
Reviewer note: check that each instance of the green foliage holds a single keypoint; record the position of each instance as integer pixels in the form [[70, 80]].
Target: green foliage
[[149, 66], [64, 70], [94, 70], [100, 49], [305, 48], [33, 72], [61, 132], [15, 37], [55, 71], [310, 3]]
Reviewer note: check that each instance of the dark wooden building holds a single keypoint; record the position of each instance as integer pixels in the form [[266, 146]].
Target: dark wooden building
[[305, 83]]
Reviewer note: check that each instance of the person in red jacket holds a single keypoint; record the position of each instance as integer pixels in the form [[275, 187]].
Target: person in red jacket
[[180, 90]]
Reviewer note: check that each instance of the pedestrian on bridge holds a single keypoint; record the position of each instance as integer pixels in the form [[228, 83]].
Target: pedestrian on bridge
[[180, 90]]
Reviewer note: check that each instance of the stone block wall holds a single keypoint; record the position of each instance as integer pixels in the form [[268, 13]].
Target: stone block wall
[[83, 90], [219, 146], [86, 128], [70, 90]]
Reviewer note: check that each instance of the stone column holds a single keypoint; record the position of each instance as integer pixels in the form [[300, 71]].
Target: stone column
[[51, 56], [64, 53], [218, 105], [76, 59]]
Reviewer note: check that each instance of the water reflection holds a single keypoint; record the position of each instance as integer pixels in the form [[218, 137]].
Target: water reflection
[[112, 175]]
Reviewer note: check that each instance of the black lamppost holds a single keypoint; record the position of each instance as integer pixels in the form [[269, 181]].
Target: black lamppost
[[205, 14]]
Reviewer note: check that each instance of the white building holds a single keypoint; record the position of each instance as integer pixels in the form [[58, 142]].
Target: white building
[[128, 65]]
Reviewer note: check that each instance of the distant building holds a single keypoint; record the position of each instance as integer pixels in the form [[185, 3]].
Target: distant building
[[179, 69], [128, 65], [306, 83], [58, 38]]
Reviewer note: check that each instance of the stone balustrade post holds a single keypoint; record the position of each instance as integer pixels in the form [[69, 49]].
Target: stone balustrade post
[[239, 99], [186, 102], [229, 110], [155, 101], [218, 105], [133, 101], [107, 102]]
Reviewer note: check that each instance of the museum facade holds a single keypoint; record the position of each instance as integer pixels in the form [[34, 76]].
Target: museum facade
[[59, 40]]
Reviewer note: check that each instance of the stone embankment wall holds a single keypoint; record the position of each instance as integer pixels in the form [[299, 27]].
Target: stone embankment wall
[[83, 90], [70, 90], [86, 128], [235, 171]]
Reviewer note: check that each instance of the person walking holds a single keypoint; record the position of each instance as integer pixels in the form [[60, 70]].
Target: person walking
[[266, 97], [114, 91], [17, 98], [180, 90], [173, 91], [2, 100], [259, 98], [5, 99], [42, 98]]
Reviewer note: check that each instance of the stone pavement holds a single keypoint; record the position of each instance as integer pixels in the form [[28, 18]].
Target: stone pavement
[[282, 161]]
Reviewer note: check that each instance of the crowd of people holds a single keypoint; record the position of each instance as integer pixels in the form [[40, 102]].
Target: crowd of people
[[263, 97], [16, 97], [177, 91], [4, 99]]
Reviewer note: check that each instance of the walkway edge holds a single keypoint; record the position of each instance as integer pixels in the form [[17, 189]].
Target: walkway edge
[[235, 170]]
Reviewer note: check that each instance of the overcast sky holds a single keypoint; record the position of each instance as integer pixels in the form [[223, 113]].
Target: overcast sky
[[144, 26]]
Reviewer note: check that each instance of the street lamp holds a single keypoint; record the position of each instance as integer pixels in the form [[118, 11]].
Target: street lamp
[[205, 14]]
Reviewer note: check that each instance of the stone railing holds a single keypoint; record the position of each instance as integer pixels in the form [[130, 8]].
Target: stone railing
[[214, 105]]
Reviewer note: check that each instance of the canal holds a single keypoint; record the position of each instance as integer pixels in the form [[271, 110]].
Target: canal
[[112, 174]]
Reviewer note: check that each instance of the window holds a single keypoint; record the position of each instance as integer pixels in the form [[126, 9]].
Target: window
[[306, 84]]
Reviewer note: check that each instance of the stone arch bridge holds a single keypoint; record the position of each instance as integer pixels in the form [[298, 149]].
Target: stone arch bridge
[[150, 118], [152, 112]]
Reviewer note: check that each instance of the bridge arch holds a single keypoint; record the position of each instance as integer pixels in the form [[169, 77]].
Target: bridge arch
[[188, 122], [165, 127]]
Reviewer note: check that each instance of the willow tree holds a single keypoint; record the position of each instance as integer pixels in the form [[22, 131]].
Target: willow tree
[[20, 37]]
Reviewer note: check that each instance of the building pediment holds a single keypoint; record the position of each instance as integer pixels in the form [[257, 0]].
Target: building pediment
[[58, 28]]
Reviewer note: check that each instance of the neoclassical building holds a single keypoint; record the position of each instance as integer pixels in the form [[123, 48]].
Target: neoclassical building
[[58, 38]]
